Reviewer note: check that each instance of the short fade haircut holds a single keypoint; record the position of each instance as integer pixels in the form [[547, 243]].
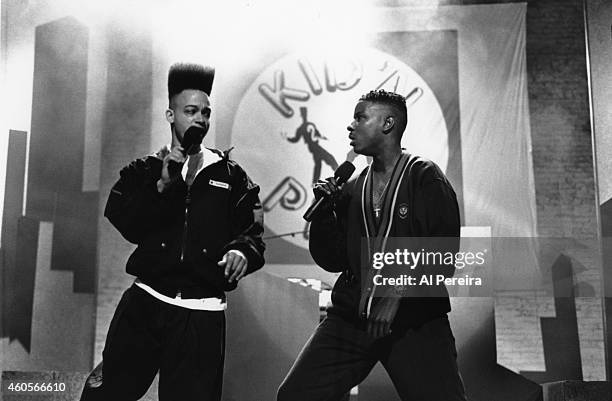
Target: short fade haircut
[[382, 96], [395, 100], [183, 76]]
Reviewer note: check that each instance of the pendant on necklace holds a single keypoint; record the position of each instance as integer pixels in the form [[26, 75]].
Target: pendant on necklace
[[377, 212]]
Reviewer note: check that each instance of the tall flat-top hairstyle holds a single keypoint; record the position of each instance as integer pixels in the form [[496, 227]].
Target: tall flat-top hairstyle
[[183, 76]]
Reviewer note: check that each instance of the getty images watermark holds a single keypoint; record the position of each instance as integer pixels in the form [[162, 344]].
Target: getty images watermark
[[482, 266], [461, 267], [427, 267], [418, 262]]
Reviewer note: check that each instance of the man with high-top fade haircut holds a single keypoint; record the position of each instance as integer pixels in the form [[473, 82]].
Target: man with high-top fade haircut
[[197, 221], [398, 195]]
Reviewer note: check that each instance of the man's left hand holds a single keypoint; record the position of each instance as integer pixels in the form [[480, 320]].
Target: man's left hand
[[382, 315], [235, 264]]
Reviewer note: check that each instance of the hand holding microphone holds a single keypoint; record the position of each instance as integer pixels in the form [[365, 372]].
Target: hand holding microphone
[[171, 167], [326, 190], [174, 161]]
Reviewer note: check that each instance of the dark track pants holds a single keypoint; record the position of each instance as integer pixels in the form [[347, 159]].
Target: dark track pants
[[145, 336], [421, 363]]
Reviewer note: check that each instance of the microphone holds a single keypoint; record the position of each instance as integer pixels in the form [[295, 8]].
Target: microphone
[[342, 174], [192, 137]]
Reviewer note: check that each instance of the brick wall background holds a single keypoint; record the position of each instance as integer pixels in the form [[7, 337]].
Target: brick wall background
[[563, 167], [561, 133], [559, 108]]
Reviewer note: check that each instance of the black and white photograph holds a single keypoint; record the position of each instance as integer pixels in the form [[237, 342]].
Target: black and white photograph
[[288, 200]]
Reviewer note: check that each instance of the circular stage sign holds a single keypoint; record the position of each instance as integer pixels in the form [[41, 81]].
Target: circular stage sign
[[290, 127]]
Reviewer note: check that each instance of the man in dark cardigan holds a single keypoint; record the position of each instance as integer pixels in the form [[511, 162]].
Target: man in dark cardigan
[[398, 195]]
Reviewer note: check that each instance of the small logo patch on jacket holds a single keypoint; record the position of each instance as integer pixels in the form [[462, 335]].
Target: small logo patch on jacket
[[403, 211], [219, 184]]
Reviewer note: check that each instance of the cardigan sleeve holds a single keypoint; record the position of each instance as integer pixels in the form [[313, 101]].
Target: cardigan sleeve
[[328, 235], [437, 213]]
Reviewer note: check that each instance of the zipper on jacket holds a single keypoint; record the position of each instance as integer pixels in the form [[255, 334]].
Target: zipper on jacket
[[184, 237]]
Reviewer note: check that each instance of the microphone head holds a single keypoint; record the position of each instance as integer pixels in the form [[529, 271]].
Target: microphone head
[[344, 172], [193, 137]]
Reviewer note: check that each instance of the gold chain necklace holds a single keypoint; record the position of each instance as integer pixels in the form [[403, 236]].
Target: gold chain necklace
[[377, 210], [382, 194]]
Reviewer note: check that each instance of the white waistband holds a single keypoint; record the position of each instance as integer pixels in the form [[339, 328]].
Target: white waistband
[[209, 304]]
